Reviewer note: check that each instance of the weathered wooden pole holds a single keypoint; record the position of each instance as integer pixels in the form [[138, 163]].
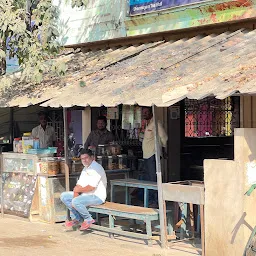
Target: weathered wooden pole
[[67, 184], [2, 194], [161, 202]]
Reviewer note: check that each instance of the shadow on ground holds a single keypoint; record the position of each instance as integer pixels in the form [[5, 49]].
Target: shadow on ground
[[26, 241]]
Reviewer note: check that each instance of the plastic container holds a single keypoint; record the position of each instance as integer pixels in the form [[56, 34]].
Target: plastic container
[[53, 150], [105, 162], [115, 149], [27, 142], [41, 152], [100, 160], [112, 163], [20, 149], [62, 166], [77, 166], [36, 144], [101, 150], [122, 161], [50, 166], [16, 145]]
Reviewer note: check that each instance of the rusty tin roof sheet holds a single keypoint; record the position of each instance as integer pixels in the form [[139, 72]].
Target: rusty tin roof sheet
[[161, 73]]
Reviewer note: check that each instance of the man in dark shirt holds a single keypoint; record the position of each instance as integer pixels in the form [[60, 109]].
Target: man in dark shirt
[[101, 136]]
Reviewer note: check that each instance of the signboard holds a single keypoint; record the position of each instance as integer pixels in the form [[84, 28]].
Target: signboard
[[18, 192], [146, 6]]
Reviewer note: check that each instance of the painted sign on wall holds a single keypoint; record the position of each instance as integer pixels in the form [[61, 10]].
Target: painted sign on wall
[[145, 6]]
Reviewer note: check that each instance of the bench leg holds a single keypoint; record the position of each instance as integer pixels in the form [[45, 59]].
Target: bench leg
[[112, 193], [149, 231], [111, 225], [184, 214], [127, 201], [98, 220], [134, 225], [146, 197], [192, 220], [169, 223]]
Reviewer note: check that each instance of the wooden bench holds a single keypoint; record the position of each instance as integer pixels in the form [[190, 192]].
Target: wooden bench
[[126, 211]]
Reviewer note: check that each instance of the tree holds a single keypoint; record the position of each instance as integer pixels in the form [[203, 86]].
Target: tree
[[79, 3], [28, 30]]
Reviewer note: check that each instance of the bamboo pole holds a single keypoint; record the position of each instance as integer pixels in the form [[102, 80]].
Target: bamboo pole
[[67, 185], [66, 149], [161, 202]]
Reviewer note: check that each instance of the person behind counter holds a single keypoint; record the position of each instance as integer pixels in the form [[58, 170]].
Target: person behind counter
[[100, 136], [148, 148], [91, 189], [43, 132]]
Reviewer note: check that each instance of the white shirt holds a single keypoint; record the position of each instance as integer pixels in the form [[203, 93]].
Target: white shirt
[[148, 144], [94, 176], [46, 137]]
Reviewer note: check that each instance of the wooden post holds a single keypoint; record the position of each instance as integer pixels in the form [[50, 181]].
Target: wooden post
[[11, 125], [1, 186], [67, 185], [2, 196], [202, 229], [161, 202], [66, 149], [192, 219]]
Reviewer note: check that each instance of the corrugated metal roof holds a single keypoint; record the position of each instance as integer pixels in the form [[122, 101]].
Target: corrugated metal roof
[[78, 64], [218, 65], [159, 73]]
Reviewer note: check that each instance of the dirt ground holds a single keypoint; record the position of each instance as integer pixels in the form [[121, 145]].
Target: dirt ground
[[23, 238]]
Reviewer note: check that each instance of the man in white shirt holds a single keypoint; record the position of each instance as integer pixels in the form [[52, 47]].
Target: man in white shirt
[[43, 132], [91, 189], [148, 148]]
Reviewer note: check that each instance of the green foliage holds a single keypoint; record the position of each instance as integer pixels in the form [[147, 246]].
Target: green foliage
[[34, 45]]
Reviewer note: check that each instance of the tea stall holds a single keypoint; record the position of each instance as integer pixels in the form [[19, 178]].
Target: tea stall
[[27, 162]]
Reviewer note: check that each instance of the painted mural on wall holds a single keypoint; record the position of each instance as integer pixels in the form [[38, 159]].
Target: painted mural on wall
[[146, 6]]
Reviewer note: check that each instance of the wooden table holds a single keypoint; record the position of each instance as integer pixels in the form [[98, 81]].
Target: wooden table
[[132, 183]]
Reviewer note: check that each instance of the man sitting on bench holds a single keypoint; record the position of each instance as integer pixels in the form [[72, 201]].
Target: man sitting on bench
[[89, 190]]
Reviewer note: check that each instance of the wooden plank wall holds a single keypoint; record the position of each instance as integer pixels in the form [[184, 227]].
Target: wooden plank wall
[[229, 214]]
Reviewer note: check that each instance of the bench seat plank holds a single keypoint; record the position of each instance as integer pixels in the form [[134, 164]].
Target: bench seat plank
[[109, 206]]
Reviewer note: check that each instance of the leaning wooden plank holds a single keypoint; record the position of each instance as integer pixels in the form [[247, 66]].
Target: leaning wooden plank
[[183, 193]]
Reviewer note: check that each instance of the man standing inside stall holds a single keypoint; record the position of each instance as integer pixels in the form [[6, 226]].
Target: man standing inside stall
[[100, 136], [148, 148], [44, 132], [91, 189]]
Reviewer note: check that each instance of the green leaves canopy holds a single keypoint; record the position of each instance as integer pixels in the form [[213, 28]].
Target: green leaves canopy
[[33, 44]]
